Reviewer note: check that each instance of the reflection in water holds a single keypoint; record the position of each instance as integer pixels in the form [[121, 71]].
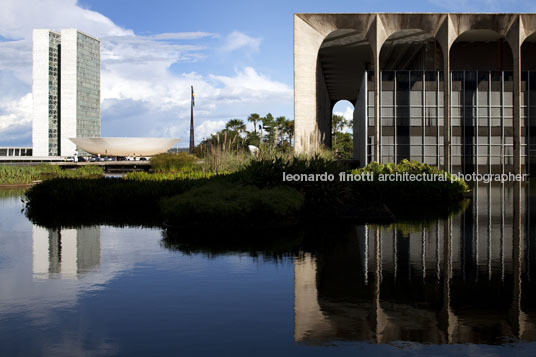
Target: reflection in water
[[462, 280], [64, 253]]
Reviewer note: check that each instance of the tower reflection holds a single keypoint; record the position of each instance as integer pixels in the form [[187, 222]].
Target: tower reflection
[[466, 279], [65, 253]]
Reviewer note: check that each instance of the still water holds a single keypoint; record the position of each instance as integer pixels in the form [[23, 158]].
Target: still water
[[463, 285]]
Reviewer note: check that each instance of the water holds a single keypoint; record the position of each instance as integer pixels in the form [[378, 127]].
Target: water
[[465, 285]]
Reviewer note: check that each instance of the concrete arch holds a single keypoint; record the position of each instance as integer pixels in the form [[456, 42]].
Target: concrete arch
[[310, 31], [343, 57], [482, 49], [409, 45], [392, 23], [528, 53], [478, 58], [409, 60]]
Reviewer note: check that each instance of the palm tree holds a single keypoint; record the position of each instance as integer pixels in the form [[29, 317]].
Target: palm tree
[[268, 123], [254, 118], [236, 125], [338, 123], [289, 130], [280, 125]]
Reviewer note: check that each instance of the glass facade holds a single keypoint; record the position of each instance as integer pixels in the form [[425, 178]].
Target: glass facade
[[54, 56], [88, 87], [482, 114]]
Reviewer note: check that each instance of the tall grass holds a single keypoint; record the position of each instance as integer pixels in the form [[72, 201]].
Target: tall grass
[[18, 174], [167, 176], [226, 154], [26, 174], [229, 154], [169, 162]]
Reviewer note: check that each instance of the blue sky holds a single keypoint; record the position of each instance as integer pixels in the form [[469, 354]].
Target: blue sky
[[237, 54]]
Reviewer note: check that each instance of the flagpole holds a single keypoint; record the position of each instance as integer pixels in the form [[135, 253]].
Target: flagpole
[[192, 120]]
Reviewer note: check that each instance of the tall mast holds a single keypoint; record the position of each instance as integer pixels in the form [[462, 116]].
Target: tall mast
[[192, 120]]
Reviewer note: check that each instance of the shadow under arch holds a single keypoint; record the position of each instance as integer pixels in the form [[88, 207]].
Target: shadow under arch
[[410, 64], [343, 58], [481, 101]]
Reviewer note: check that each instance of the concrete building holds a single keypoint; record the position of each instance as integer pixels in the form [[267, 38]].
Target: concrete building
[[66, 90], [15, 151], [481, 117]]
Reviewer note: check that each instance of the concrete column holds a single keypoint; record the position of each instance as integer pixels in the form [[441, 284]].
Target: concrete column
[[446, 36], [376, 36], [514, 40], [377, 109], [517, 110], [307, 42], [446, 112]]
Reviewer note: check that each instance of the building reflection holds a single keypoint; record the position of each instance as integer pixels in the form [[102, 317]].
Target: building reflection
[[65, 253], [468, 279]]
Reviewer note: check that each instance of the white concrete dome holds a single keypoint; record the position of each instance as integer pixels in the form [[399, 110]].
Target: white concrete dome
[[125, 146]]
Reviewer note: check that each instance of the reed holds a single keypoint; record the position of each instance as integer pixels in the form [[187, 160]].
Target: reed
[[167, 176], [12, 175], [170, 162]]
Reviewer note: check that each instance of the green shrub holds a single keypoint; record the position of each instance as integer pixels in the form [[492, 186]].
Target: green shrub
[[67, 201], [168, 162], [255, 196], [402, 195], [232, 206], [319, 195]]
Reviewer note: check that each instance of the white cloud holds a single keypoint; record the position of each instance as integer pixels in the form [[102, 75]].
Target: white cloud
[[183, 35], [16, 119], [19, 17], [209, 127], [348, 113], [17, 112], [237, 40], [141, 95]]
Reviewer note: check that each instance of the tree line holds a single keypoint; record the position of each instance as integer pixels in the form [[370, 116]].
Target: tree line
[[276, 133]]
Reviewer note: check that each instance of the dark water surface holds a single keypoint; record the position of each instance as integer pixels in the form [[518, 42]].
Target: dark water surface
[[459, 286]]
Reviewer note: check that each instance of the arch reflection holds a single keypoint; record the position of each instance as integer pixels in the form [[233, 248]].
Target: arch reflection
[[468, 279]]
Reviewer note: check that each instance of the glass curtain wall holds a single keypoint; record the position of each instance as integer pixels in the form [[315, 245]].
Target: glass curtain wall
[[482, 114]]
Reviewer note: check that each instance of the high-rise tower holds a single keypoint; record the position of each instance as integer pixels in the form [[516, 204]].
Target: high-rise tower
[[66, 90]]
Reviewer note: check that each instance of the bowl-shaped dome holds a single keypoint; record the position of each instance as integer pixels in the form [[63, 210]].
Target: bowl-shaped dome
[[125, 146]]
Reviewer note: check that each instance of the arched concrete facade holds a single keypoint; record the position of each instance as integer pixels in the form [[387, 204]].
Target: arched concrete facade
[[310, 31]]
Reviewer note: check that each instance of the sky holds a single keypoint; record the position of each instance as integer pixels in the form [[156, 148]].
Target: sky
[[238, 55]]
